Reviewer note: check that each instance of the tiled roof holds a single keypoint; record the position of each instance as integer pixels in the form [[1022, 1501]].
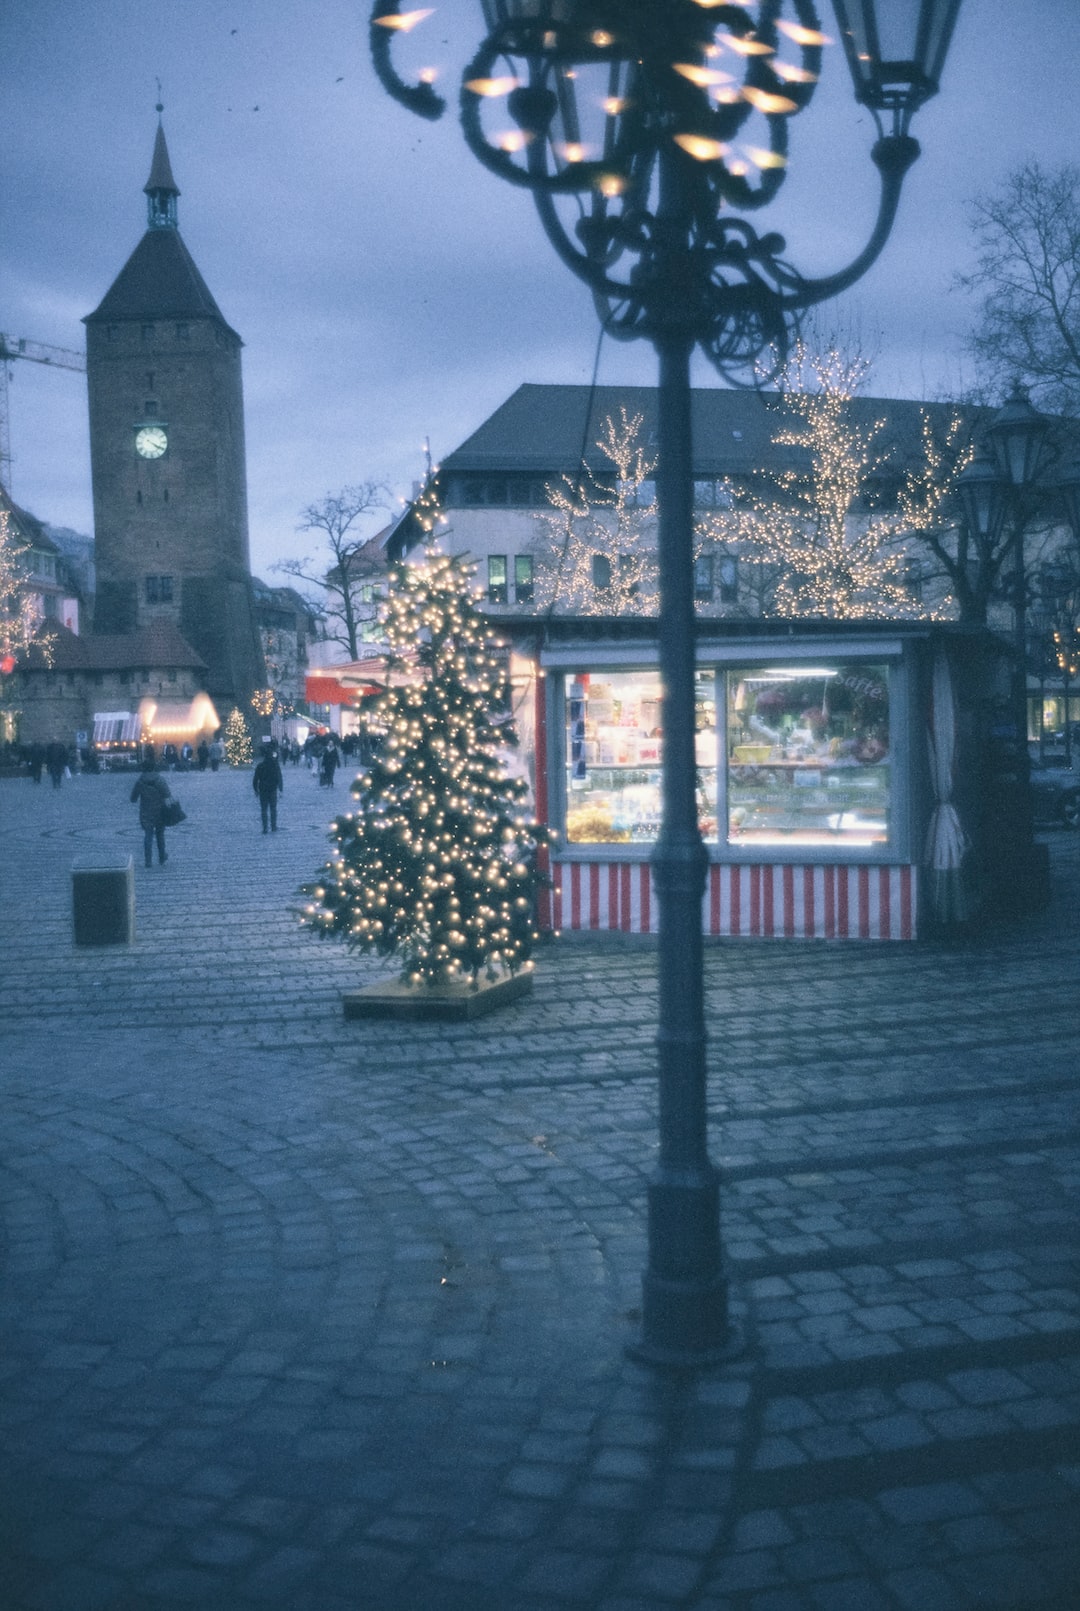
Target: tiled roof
[[159, 645], [543, 429], [158, 281], [28, 527]]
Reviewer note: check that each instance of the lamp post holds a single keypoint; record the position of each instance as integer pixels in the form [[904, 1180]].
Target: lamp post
[[994, 490], [647, 131]]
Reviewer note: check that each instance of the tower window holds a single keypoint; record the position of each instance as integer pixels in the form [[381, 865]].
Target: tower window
[[165, 494], [159, 589], [149, 380], [138, 497], [150, 407]]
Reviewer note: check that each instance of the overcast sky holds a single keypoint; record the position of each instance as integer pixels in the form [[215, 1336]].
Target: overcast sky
[[386, 287]]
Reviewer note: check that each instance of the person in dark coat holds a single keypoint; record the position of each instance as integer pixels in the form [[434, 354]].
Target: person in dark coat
[[329, 765], [268, 783], [56, 759], [151, 791]]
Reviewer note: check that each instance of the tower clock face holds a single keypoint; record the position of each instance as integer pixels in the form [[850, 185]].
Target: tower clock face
[[151, 441]]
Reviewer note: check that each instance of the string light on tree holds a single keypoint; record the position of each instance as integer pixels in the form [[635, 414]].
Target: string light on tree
[[596, 554], [825, 557], [20, 617], [436, 865]]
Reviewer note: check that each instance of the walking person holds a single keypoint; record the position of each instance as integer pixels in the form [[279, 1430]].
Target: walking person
[[329, 765], [56, 760], [151, 791], [268, 783]]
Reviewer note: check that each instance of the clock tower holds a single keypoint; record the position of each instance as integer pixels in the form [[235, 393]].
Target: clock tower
[[167, 454]]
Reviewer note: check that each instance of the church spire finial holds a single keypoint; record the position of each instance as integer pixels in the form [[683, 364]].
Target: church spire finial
[[161, 188]]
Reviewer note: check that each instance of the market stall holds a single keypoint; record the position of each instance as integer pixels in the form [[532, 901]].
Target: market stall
[[818, 783]]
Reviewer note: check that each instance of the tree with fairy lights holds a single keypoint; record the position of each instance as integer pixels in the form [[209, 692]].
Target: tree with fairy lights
[[238, 747], [821, 553], [436, 865], [21, 618], [596, 549]]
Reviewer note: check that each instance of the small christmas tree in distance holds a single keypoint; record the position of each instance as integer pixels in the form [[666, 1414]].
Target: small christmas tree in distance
[[238, 746], [436, 865]]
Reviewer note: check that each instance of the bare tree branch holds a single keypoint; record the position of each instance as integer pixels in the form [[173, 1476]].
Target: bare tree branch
[[1027, 279], [348, 559]]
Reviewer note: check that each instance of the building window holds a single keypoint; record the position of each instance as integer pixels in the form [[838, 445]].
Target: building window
[[159, 589], [729, 579], [523, 578], [913, 577], [601, 572], [703, 578], [496, 570]]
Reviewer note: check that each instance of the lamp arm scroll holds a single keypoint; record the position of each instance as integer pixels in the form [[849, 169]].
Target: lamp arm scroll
[[893, 155], [387, 20]]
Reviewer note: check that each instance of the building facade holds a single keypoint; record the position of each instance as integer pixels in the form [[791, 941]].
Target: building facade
[[167, 455]]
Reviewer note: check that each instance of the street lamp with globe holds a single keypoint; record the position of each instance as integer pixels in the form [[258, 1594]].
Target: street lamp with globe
[[650, 133]]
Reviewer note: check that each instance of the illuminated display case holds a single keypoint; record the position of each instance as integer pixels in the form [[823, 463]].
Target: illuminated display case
[[808, 755], [795, 755], [613, 754]]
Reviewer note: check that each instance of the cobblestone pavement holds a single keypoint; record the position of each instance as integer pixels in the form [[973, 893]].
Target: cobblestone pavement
[[327, 1316]]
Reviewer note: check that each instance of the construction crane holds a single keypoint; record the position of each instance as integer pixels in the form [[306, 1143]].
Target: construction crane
[[11, 348]]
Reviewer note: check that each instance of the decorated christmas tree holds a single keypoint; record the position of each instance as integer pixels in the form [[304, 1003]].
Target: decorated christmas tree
[[437, 863], [238, 746]]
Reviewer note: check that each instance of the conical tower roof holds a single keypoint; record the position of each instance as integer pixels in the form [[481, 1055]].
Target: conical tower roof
[[161, 177], [160, 279]]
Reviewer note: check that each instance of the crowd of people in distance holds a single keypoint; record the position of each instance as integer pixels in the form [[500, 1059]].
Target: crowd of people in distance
[[322, 753]]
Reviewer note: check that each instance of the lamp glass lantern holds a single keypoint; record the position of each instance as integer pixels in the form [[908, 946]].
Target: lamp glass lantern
[[983, 492], [1018, 435], [896, 51]]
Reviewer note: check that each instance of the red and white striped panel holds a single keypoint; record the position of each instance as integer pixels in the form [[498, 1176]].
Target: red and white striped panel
[[783, 902]]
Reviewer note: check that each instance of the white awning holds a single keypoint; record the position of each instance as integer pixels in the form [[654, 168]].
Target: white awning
[[116, 727]]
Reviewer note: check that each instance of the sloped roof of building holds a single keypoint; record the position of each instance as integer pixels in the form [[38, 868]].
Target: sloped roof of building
[[28, 528], [544, 429], [158, 281], [160, 645]]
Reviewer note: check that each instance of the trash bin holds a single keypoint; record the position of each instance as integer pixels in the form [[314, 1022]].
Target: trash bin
[[103, 900]]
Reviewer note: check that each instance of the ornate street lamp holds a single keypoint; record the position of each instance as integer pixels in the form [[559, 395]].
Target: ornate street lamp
[[647, 132], [994, 491]]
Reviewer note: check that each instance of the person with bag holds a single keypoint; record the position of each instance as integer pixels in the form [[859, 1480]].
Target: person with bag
[[268, 783], [153, 795]]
